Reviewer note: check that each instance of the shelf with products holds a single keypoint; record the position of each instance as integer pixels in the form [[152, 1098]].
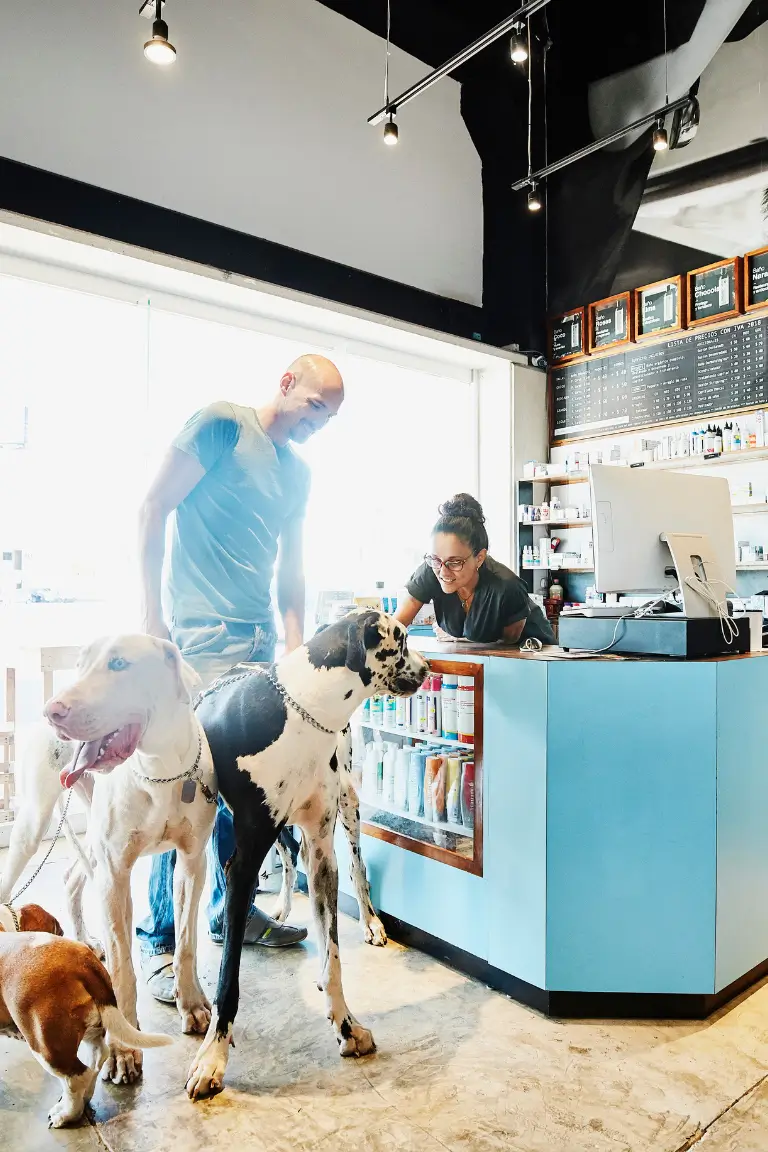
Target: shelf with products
[[561, 523], [424, 791], [423, 737]]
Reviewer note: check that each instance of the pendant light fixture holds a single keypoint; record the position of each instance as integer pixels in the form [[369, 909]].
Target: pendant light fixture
[[660, 142], [534, 198], [159, 49], [535, 202], [391, 132], [518, 48]]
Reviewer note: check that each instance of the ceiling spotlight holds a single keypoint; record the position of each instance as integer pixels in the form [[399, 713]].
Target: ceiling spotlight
[[660, 137], [518, 48], [534, 199], [159, 49], [391, 133]]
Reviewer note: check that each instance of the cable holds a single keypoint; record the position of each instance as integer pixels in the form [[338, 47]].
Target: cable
[[705, 589]]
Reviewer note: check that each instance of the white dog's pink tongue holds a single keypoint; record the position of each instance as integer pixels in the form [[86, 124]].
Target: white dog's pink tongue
[[86, 757]]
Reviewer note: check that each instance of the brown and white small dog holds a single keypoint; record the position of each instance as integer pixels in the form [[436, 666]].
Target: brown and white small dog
[[55, 994]]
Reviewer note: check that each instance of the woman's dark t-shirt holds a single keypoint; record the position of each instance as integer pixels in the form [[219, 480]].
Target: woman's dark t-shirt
[[501, 598]]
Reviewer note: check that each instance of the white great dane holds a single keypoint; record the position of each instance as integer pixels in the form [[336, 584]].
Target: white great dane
[[130, 705]]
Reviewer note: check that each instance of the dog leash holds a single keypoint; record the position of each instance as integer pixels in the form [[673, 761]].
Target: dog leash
[[43, 862], [191, 777], [230, 678], [14, 914]]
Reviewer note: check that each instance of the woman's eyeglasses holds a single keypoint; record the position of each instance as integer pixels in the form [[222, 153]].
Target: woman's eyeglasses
[[453, 565]]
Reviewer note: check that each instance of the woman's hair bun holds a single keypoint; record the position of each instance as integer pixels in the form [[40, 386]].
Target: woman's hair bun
[[463, 505]]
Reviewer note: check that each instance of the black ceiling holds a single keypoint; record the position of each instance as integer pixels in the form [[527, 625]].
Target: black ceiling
[[589, 214]]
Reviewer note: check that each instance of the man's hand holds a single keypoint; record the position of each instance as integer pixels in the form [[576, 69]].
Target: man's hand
[[156, 626]]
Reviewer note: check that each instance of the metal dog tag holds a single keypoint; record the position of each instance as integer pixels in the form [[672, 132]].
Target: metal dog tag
[[188, 789]]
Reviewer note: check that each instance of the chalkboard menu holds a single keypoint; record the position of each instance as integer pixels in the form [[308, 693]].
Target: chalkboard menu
[[659, 308], [566, 336], [714, 292], [756, 279], [610, 322], [695, 374]]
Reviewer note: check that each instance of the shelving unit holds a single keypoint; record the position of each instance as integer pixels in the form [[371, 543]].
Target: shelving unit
[[562, 523], [378, 802], [425, 737], [456, 845]]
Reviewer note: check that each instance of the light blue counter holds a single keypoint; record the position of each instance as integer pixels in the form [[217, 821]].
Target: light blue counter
[[625, 828]]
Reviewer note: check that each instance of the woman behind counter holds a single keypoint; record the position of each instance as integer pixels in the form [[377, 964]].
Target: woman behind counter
[[475, 597]]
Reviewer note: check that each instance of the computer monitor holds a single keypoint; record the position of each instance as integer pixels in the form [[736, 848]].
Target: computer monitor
[[633, 507]]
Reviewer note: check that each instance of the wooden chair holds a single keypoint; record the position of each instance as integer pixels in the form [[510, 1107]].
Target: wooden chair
[[52, 660]]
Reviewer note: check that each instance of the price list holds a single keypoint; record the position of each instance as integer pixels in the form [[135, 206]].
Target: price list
[[695, 375]]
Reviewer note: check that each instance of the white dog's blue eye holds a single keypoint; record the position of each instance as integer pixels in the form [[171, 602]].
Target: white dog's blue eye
[[117, 664]]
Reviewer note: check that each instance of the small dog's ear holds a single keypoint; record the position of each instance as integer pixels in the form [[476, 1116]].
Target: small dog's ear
[[364, 634], [321, 628]]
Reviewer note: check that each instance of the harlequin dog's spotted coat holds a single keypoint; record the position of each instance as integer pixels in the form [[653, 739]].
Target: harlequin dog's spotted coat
[[275, 769]]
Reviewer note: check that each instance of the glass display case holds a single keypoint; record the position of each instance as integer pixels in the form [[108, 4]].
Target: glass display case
[[418, 766]]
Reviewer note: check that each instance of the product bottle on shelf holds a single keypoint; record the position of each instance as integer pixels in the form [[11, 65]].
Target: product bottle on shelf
[[449, 707], [377, 711], [415, 783], [453, 789], [465, 699], [434, 706], [402, 766], [468, 794], [728, 438], [388, 788], [421, 701], [390, 712]]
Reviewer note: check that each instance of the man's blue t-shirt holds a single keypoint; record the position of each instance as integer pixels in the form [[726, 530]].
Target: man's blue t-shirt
[[225, 533]]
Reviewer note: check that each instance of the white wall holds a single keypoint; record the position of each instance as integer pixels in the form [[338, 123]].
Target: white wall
[[260, 125]]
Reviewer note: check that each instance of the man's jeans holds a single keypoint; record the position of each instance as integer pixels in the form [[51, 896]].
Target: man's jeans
[[211, 650]]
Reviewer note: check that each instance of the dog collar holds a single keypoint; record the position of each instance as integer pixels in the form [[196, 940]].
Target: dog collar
[[189, 774], [14, 915]]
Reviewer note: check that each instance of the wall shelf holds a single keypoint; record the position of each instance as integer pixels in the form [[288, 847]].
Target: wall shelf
[[563, 523], [423, 736]]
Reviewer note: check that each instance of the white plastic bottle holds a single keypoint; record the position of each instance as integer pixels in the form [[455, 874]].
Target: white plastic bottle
[[388, 788], [449, 707], [434, 706], [466, 709]]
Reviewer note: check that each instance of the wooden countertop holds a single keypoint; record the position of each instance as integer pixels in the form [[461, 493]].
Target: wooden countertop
[[433, 647]]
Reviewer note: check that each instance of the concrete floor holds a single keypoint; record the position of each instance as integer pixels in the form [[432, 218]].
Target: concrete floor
[[459, 1067]]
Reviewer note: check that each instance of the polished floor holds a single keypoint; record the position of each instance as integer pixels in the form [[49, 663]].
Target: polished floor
[[459, 1067]]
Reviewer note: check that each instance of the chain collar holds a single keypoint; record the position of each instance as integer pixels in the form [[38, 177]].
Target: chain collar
[[190, 773], [14, 915], [228, 678]]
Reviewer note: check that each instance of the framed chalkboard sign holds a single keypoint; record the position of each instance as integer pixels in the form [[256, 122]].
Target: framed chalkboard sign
[[610, 322], [659, 308], [756, 279], [714, 292], [566, 337]]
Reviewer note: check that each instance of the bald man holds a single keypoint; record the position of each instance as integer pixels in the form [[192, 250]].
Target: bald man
[[239, 492]]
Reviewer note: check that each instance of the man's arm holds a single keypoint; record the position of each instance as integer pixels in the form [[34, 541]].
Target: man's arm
[[290, 582], [178, 475]]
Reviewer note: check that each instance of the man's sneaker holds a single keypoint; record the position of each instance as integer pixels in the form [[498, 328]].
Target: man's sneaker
[[261, 929], [158, 973]]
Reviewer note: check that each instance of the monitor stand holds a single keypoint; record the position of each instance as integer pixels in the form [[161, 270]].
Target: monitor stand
[[695, 564]]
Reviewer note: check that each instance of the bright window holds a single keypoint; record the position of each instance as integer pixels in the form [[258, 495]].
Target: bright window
[[107, 384]]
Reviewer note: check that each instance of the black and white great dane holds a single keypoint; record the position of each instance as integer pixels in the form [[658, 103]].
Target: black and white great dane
[[274, 739]]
